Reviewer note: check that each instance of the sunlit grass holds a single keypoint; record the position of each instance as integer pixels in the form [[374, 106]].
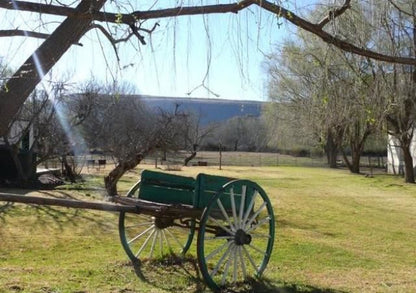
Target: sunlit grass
[[334, 232]]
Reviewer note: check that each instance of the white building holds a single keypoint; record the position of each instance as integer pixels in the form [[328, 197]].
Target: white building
[[395, 162], [15, 135]]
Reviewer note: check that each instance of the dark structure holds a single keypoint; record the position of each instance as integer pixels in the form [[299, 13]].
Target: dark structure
[[209, 110], [8, 170]]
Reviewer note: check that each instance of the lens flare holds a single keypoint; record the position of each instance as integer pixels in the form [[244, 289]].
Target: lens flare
[[76, 141]]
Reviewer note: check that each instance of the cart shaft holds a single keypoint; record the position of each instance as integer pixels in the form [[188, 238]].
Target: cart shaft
[[121, 204], [69, 203]]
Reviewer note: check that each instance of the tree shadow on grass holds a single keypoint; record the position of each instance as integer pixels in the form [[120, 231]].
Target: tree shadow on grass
[[176, 274], [60, 216], [4, 207]]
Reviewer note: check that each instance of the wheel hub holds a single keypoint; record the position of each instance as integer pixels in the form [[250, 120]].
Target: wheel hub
[[242, 238], [163, 223]]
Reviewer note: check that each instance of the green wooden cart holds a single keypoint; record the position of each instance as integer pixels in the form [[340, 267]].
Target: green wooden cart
[[162, 212]]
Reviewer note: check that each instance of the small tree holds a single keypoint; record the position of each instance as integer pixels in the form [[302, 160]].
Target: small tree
[[121, 126], [194, 135]]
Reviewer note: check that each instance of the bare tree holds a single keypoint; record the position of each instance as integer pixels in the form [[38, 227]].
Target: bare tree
[[194, 135], [122, 126], [89, 14], [241, 133]]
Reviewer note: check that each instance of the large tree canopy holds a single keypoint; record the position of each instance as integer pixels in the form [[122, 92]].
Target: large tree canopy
[[83, 15]]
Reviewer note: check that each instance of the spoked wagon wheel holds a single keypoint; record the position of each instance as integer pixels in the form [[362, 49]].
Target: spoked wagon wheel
[[236, 235], [145, 237]]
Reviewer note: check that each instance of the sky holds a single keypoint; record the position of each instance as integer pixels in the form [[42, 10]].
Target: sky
[[217, 56]]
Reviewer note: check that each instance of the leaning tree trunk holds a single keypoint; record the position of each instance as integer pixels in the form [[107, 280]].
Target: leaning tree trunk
[[114, 176], [193, 155], [69, 172], [189, 158], [15, 92]]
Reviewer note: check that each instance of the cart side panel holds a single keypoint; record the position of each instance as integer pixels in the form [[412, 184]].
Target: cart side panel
[[166, 188], [209, 185]]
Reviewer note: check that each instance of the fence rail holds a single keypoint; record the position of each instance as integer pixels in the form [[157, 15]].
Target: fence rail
[[227, 159]]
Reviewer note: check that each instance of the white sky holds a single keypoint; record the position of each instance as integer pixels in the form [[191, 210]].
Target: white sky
[[174, 62]]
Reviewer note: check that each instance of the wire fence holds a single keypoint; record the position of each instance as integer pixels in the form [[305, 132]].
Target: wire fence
[[176, 160], [258, 160]]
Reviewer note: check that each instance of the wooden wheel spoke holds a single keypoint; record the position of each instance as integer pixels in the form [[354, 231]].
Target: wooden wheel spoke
[[224, 213], [255, 215], [250, 259], [221, 260], [145, 243], [227, 266], [141, 234], [216, 251], [243, 198], [258, 224], [175, 238]]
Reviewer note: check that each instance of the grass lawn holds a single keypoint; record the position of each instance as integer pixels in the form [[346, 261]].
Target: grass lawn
[[335, 232]]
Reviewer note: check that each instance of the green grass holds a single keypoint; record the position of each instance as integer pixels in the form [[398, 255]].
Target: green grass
[[335, 232]]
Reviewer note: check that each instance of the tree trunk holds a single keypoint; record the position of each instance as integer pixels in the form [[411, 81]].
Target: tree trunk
[[189, 158], [114, 176], [68, 170], [23, 82], [409, 174], [331, 151], [355, 160], [22, 178], [357, 146]]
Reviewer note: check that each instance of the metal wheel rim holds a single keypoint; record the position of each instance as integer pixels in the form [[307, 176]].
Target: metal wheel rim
[[149, 241], [232, 260]]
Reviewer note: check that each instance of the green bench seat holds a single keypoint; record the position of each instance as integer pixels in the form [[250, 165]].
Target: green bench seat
[[175, 189]]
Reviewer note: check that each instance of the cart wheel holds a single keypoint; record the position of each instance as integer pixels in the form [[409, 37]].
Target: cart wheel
[[144, 236], [236, 235]]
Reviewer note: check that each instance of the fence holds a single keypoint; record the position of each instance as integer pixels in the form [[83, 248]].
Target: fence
[[259, 159], [227, 159]]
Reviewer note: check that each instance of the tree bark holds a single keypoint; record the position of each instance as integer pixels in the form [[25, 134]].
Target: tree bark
[[354, 164], [188, 159], [68, 170], [114, 176], [25, 79], [331, 151], [357, 142], [356, 155], [409, 174]]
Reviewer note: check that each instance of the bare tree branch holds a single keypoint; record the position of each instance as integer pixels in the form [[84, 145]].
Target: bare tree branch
[[127, 18], [109, 37], [395, 5], [25, 33], [279, 10], [328, 38], [335, 13]]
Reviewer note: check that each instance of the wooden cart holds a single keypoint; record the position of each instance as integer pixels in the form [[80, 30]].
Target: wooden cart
[[160, 214]]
